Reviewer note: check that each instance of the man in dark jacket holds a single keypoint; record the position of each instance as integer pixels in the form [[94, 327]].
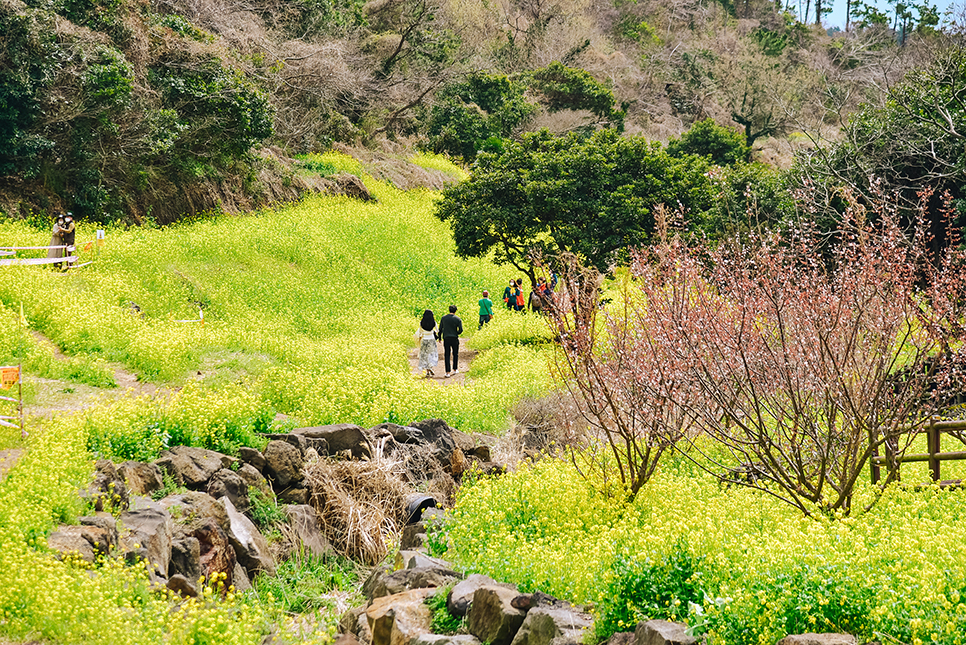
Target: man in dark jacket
[[450, 328]]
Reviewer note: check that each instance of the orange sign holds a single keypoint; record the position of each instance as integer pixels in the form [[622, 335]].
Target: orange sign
[[9, 376]]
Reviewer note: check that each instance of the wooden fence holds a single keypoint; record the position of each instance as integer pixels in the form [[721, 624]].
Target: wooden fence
[[8, 254], [934, 455]]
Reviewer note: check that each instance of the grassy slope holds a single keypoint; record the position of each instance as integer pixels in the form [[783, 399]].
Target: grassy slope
[[309, 309], [314, 304]]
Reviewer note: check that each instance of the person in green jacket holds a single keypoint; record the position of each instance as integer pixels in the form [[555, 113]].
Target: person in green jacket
[[486, 309]]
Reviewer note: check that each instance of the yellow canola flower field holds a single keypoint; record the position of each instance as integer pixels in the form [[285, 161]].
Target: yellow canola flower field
[[735, 564], [309, 310], [312, 307], [65, 601]]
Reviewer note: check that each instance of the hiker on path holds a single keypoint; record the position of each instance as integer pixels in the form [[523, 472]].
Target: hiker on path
[[450, 328], [486, 309], [508, 296], [428, 351], [56, 239], [519, 304], [540, 296]]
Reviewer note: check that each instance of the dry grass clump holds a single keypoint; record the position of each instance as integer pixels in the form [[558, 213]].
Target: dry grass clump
[[419, 466], [547, 425], [361, 504]]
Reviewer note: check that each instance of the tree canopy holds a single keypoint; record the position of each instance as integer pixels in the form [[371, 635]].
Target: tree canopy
[[592, 196], [913, 142]]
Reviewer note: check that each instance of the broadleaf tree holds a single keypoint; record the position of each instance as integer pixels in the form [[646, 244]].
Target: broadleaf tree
[[591, 196]]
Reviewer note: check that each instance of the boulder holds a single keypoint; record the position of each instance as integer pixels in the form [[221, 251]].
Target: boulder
[[474, 445], [186, 559], [108, 490], [252, 457], [818, 639], [415, 559], [398, 619], [86, 542], [298, 495], [251, 547], [375, 578], [305, 524], [662, 632], [108, 523], [436, 433], [399, 434], [283, 463], [413, 537], [298, 442], [140, 503], [354, 621], [255, 479], [192, 509], [217, 554], [339, 438], [148, 534], [461, 595], [491, 616], [240, 579], [622, 638], [351, 186], [407, 579], [141, 478], [192, 467], [182, 586], [543, 624], [536, 599], [441, 639], [228, 483]]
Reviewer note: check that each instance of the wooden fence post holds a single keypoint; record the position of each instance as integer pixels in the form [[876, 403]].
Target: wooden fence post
[[932, 439]]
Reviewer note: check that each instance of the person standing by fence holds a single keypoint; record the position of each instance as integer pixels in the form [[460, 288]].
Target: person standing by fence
[[67, 233], [56, 240], [450, 328], [486, 309]]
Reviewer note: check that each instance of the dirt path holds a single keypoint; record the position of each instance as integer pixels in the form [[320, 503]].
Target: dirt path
[[465, 357], [62, 396]]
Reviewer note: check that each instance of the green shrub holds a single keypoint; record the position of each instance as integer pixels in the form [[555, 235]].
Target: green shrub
[[722, 145], [323, 168], [306, 582], [645, 590]]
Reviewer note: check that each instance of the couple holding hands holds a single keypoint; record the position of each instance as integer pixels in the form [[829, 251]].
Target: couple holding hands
[[450, 328]]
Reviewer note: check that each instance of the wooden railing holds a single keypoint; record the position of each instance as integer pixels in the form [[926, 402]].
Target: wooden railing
[[934, 455]]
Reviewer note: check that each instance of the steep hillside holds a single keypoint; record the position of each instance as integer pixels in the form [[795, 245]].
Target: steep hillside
[[128, 110]]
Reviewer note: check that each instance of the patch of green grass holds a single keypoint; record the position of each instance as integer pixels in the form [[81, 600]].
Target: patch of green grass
[[441, 163], [265, 510], [307, 583], [443, 622]]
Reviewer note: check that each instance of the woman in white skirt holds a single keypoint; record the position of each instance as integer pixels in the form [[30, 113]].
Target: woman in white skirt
[[428, 352]]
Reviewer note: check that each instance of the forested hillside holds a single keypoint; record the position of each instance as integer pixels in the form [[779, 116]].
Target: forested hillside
[[135, 109]]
